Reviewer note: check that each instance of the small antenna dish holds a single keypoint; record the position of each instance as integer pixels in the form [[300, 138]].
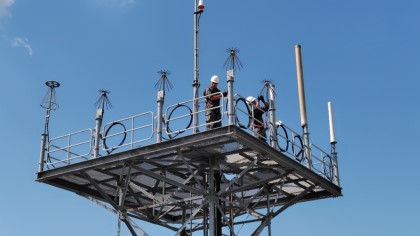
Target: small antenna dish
[[103, 101], [232, 62]]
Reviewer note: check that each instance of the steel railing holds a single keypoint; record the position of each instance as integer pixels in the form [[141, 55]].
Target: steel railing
[[133, 131], [128, 133], [179, 119], [69, 148]]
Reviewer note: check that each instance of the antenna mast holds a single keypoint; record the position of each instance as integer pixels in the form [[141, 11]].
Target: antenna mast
[[49, 103], [161, 85], [270, 94], [302, 105], [102, 103], [198, 9], [231, 64]]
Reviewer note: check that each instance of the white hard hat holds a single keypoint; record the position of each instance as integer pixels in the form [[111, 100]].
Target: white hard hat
[[250, 99], [215, 79]]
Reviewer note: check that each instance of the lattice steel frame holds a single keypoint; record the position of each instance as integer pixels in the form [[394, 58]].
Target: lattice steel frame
[[201, 182]]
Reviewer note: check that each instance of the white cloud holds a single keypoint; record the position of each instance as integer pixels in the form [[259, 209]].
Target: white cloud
[[4, 7], [22, 42]]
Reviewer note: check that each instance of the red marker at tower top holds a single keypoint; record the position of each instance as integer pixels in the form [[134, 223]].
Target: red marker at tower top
[[200, 6]]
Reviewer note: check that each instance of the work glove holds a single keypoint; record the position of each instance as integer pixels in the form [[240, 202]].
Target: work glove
[[225, 93], [261, 98]]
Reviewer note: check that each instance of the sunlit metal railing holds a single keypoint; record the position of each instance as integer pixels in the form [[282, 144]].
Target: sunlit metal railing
[[69, 148], [291, 143], [135, 131], [322, 162], [128, 133], [180, 115]]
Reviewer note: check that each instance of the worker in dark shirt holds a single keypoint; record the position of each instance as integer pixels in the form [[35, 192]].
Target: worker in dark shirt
[[213, 95], [257, 112]]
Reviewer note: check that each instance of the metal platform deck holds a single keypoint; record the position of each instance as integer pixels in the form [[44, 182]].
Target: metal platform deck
[[177, 183]]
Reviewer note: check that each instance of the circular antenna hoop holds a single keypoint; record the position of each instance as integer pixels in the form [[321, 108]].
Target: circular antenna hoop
[[52, 84]]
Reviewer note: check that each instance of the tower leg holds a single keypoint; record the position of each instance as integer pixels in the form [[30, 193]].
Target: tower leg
[[211, 200], [206, 212], [218, 179]]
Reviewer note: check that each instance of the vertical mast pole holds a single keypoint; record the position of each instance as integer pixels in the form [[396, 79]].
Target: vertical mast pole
[[231, 105], [102, 102], [333, 142], [302, 104], [98, 125], [198, 9], [211, 199], [160, 100], [272, 114], [49, 103], [230, 64]]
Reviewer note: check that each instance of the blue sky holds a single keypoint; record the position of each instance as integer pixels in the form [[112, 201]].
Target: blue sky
[[361, 55]]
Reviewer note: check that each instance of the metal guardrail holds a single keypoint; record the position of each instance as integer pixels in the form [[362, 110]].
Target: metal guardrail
[[128, 133], [69, 148], [322, 163], [291, 143], [180, 119], [133, 131]]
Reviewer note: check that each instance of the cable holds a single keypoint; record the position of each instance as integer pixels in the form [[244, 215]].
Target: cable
[[300, 153], [109, 151], [168, 129], [327, 167], [249, 114], [286, 137]]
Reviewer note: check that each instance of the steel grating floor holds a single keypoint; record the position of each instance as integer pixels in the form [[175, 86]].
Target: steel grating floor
[[167, 183]]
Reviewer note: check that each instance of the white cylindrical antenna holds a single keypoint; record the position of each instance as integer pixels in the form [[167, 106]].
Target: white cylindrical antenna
[[301, 87], [333, 141], [331, 121]]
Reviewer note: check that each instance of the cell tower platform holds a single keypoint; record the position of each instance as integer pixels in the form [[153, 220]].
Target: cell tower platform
[[204, 181]]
